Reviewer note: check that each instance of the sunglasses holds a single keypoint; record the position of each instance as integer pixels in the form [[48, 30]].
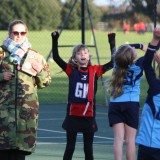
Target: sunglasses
[[16, 33]]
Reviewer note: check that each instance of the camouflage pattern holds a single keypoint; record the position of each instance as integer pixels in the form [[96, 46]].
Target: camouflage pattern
[[19, 113]]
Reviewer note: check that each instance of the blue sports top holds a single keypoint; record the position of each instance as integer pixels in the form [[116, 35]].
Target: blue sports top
[[149, 130], [131, 87]]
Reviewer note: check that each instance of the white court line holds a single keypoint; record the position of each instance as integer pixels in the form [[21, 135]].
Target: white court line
[[106, 138], [51, 137], [100, 137], [46, 143], [50, 131]]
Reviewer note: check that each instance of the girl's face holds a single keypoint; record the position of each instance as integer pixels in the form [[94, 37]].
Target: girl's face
[[82, 57], [18, 33]]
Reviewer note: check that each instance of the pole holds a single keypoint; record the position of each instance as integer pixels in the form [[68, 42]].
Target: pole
[[155, 13], [98, 59], [83, 3], [155, 23], [83, 20]]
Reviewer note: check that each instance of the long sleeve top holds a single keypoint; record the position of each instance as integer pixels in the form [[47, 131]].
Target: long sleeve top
[[80, 115], [131, 86], [149, 130], [79, 79]]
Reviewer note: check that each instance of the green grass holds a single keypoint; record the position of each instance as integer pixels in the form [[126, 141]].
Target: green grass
[[57, 91]]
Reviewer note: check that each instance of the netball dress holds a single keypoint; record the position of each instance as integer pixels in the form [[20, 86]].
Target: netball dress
[[80, 115], [81, 99]]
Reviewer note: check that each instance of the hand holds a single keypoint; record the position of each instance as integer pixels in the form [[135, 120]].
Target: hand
[[156, 37], [157, 57], [7, 75], [55, 35], [111, 37], [156, 33], [37, 67]]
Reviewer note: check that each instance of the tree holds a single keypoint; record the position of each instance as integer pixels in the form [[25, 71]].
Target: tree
[[145, 7], [74, 21], [6, 14], [48, 14], [38, 15]]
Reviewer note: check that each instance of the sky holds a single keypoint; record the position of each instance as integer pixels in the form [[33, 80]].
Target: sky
[[106, 2]]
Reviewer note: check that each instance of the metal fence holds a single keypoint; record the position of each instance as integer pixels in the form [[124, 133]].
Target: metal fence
[[67, 40], [41, 42]]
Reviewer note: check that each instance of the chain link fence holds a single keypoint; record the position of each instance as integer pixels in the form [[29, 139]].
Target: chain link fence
[[67, 41], [96, 41]]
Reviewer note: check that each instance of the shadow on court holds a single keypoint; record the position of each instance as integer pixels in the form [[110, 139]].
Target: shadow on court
[[51, 137]]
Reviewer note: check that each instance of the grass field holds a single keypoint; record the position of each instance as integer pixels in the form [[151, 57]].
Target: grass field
[[57, 92]]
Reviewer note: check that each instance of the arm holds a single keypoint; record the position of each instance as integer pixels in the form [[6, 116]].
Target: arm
[[111, 40], [43, 78], [157, 57], [152, 48], [5, 75], [56, 57], [139, 46]]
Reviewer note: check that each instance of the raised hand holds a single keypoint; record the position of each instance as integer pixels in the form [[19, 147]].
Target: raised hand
[[111, 40], [156, 37], [111, 37], [55, 35], [157, 57]]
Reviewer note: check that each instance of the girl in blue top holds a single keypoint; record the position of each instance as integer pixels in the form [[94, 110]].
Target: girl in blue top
[[123, 111], [148, 137]]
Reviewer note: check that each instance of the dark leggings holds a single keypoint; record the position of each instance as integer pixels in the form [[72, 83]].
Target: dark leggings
[[12, 155], [71, 141]]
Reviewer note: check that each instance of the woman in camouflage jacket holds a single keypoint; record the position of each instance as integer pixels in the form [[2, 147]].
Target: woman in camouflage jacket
[[22, 72]]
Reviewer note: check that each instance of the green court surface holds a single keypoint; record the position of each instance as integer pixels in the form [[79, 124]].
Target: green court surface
[[51, 139]]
